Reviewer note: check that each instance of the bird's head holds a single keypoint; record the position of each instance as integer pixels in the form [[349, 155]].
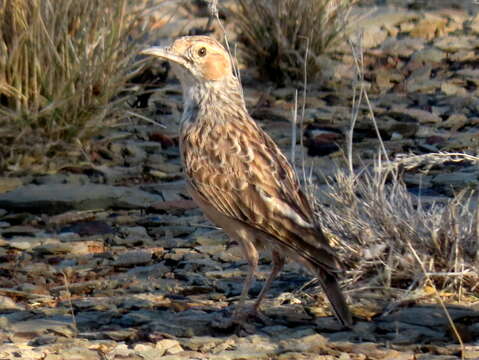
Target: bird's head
[[195, 59]]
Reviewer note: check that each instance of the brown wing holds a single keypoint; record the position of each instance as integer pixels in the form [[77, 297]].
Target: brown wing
[[239, 170]]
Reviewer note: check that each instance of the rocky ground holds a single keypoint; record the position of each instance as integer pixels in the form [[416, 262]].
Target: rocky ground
[[110, 259]]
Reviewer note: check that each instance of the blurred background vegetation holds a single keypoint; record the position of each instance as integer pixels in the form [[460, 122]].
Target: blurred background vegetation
[[274, 35], [64, 64], [62, 67]]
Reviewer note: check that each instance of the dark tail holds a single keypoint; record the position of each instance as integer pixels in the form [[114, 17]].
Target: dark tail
[[336, 298]]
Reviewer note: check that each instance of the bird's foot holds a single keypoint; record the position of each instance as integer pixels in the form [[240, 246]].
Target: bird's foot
[[242, 321], [241, 328], [248, 313]]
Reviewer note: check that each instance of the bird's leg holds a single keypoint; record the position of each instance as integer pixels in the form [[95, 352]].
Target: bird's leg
[[278, 263], [251, 255], [243, 312]]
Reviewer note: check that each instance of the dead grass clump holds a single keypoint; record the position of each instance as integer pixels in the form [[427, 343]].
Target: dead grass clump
[[61, 64], [379, 222], [274, 35]]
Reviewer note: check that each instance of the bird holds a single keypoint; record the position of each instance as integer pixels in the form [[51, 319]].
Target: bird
[[240, 178]]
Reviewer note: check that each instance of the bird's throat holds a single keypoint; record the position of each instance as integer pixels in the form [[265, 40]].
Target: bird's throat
[[214, 101]]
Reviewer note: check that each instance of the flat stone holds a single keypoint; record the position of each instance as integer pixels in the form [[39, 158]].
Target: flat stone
[[9, 184], [55, 179], [36, 327], [16, 316], [185, 324], [55, 246], [309, 343], [463, 55], [196, 265], [275, 330], [327, 324], [419, 81], [114, 174], [429, 26], [469, 74], [59, 198], [402, 47], [213, 250], [80, 353], [456, 179], [430, 316], [93, 320], [226, 274], [473, 24], [428, 55], [251, 347], [168, 167], [435, 357], [83, 286], [7, 304], [133, 258], [405, 333], [201, 343], [456, 43], [386, 78], [471, 354], [169, 346], [155, 270], [21, 230], [216, 237], [390, 16], [450, 88], [148, 352], [398, 127], [88, 228], [139, 317], [374, 36], [421, 116], [136, 153], [133, 236], [24, 242], [171, 231], [455, 121], [121, 335], [44, 340]]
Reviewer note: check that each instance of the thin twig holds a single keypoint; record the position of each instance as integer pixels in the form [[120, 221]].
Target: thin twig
[[293, 128], [358, 56], [438, 297], [147, 119], [303, 107], [69, 298], [213, 10], [356, 105]]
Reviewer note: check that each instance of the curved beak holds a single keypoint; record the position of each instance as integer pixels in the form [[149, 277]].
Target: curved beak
[[164, 53]]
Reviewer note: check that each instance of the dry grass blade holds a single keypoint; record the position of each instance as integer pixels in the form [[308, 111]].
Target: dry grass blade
[[273, 34], [438, 297], [427, 161]]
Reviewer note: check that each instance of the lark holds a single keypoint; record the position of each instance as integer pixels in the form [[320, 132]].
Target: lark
[[240, 178]]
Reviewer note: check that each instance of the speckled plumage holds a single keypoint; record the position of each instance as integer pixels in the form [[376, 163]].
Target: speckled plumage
[[238, 175]]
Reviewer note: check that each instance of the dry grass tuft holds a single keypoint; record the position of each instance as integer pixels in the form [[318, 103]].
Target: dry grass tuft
[[378, 222], [275, 34], [61, 64], [392, 239]]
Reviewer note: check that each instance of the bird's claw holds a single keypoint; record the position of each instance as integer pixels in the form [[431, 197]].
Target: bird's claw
[[242, 321], [251, 313]]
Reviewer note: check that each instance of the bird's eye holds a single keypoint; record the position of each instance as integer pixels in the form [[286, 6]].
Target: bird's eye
[[202, 51]]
